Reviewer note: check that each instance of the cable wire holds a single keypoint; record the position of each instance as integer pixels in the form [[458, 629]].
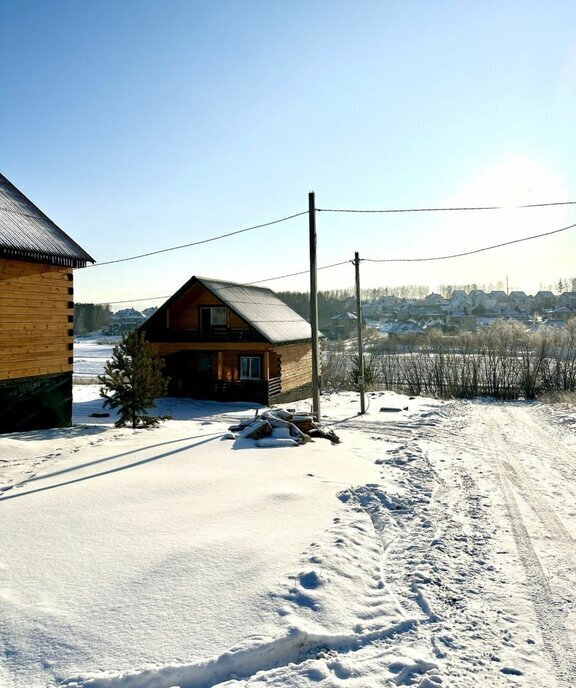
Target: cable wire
[[294, 274], [232, 286], [467, 253], [441, 210], [197, 243]]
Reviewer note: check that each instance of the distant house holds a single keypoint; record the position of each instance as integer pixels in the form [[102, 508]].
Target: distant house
[[398, 329], [514, 312], [36, 315], [343, 325], [545, 299], [560, 314], [434, 299], [519, 299], [462, 321], [147, 312], [228, 341], [124, 321], [568, 299], [371, 309], [499, 295]]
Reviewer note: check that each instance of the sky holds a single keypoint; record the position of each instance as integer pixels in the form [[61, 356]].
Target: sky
[[142, 125]]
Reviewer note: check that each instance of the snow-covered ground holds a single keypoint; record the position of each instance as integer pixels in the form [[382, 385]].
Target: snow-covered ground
[[433, 547], [90, 356]]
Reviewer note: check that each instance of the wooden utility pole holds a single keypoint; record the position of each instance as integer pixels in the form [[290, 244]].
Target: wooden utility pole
[[314, 308], [360, 343]]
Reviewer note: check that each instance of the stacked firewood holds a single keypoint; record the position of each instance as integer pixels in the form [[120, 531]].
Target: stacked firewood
[[279, 427]]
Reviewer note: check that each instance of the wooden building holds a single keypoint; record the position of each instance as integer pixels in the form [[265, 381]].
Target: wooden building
[[228, 341], [344, 325], [36, 315]]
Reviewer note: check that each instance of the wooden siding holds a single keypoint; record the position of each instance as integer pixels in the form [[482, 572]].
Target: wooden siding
[[183, 314], [36, 319], [295, 364]]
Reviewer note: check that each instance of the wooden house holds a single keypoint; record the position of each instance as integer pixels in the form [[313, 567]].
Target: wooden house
[[228, 341], [36, 315], [344, 325]]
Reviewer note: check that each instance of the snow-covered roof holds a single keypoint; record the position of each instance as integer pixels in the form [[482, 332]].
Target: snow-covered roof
[[127, 313], [27, 234], [262, 309], [345, 316]]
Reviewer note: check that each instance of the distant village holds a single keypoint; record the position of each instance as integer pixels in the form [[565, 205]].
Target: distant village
[[462, 312], [127, 319]]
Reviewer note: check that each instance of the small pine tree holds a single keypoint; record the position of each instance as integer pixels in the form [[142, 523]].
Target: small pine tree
[[369, 372], [133, 379]]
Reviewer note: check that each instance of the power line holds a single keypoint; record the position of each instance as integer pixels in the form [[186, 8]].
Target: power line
[[440, 210], [323, 210], [369, 260], [294, 274], [197, 243], [467, 253], [232, 286], [113, 303]]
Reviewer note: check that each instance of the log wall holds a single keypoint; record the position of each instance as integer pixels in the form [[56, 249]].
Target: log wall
[[36, 319], [295, 365]]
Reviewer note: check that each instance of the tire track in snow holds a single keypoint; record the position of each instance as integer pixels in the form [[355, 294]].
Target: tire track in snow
[[520, 477], [550, 618], [550, 449]]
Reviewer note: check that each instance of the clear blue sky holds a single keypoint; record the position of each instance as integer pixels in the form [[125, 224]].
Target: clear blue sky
[[138, 125]]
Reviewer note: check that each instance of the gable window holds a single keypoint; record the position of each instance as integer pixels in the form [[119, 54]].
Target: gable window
[[250, 368], [219, 316], [213, 316]]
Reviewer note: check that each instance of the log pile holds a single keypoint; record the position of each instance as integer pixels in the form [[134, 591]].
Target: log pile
[[280, 428]]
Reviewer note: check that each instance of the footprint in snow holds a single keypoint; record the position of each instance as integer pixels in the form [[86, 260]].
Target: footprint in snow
[[310, 580]]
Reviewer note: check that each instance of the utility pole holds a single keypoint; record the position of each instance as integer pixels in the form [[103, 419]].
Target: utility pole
[[314, 308], [360, 343]]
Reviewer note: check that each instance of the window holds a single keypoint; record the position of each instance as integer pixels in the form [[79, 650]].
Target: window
[[213, 316], [250, 368], [218, 316]]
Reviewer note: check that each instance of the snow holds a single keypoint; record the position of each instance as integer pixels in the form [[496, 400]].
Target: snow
[[433, 546], [90, 357]]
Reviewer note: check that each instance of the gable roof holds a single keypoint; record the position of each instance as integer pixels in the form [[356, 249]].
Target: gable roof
[[27, 234], [345, 316], [258, 306]]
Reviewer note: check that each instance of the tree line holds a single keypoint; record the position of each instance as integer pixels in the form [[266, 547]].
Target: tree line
[[90, 317]]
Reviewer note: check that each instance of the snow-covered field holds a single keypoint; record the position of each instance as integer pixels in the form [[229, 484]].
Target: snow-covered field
[[90, 357], [433, 547]]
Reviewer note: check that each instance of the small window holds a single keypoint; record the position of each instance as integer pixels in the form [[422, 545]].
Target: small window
[[211, 316], [218, 316], [250, 368]]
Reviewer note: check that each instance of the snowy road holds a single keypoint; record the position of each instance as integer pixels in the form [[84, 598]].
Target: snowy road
[[433, 547], [516, 467]]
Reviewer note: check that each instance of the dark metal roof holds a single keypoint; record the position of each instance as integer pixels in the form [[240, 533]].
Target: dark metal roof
[[27, 234], [259, 307]]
